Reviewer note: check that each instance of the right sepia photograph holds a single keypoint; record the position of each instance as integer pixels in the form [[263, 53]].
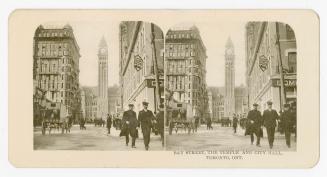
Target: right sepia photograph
[[231, 86]]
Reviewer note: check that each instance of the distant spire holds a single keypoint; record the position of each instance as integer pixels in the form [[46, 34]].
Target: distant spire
[[229, 43], [103, 42]]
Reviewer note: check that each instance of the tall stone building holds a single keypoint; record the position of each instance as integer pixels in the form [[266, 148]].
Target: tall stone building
[[262, 63], [141, 50], [185, 64], [229, 79], [83, 101], [56, 68], [91, 106], [114, 104], [216, 103], [241, 100], [91, 101], [102, 102]]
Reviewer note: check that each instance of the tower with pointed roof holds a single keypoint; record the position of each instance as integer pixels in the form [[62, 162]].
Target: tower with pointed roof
[[102, 109], [229, 79]]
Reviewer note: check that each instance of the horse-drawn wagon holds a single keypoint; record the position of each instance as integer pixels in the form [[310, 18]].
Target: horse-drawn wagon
[[56, 117]]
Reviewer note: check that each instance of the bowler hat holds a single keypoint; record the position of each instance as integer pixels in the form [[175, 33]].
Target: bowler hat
[[269, 103], [255, 104], [130, 104], [145, 103]]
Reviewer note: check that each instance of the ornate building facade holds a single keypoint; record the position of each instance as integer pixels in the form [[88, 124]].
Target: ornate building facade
[[241, 101], [216, 103], [229, 79], [102, 101], [56, 68], [91, 106], [185, 57], [262, 62], [114, 104], [140, 61]]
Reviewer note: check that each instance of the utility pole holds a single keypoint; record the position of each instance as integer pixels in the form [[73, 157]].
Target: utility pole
[[280, 66], [156, 72]]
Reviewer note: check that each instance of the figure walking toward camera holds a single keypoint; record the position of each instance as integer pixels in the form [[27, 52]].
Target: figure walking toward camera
[[130, 125], [109, 122], [287, 121], [254, 124], [145, 118], [235, 122], [270, 118]]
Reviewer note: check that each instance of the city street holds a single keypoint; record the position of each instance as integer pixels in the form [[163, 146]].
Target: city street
[[93, 138], [222, 138]]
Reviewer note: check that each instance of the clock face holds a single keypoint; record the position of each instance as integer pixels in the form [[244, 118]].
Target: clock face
[[103, 51], [229, 51]]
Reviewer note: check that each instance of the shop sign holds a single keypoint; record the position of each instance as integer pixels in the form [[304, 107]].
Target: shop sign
[[287, 82], [152, 83]]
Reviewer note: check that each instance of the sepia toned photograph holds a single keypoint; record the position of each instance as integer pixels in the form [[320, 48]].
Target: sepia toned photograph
[[91, 93], [197, 88], [231, 86]]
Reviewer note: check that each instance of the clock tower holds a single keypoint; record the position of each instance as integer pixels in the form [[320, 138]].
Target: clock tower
[[102, 102], [229, 105]]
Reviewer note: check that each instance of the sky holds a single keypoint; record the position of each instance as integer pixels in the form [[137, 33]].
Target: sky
[[214, 35]]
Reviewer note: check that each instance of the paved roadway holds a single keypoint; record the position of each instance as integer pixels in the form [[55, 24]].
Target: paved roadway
[[93, 138], [222, 138]]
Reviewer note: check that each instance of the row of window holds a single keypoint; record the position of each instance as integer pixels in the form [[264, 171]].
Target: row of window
[[54, 34], [179, 47], [55, 78], [186, 35], [183, 82], [53, 49], [46, 85], [63, 97], [181, 54]]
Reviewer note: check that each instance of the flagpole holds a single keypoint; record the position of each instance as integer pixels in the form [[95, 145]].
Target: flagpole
[[280, 66], [157, 89]]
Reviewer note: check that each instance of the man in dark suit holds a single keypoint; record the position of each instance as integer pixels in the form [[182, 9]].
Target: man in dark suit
[[288, 121], [235, 122], [255, 123], [109, 122], [270, 118], [145, 118], [130, 125], [160, 122]]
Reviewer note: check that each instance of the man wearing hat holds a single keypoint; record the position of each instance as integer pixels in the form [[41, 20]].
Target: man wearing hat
[[270, 118], [287, 120], [109, 122], [145, 118], [254, 126], [130, 125]]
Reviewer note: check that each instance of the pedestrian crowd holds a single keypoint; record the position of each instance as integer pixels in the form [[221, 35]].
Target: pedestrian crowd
[[270, 120]]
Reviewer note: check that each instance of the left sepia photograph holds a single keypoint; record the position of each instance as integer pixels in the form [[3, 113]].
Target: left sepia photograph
[[98, 86]]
